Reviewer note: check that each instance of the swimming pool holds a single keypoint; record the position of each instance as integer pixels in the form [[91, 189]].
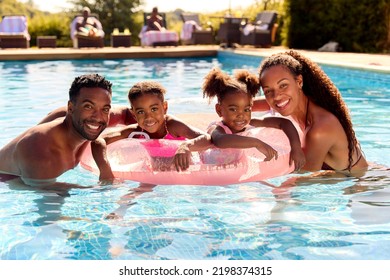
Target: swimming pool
[[285, 218]]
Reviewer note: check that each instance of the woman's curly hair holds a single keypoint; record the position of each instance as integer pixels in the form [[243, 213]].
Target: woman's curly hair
[[318, 87], [219, 84]]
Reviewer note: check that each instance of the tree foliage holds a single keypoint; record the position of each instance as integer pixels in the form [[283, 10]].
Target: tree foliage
[[51, 24], [357, 25], [13, 7]]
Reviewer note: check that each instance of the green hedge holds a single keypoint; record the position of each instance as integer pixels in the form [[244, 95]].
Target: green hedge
[[50, 24], [357, 25]]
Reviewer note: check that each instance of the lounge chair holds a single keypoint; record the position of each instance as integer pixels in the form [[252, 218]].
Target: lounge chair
[[81, 40], [193, 33], [14, 32], [158, 38], [260, 33]]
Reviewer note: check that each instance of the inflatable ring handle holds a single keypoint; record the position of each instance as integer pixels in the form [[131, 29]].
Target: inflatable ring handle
[[140, 133]]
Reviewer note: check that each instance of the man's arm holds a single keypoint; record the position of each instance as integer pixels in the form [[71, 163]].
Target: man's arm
[[119, 114], [55, 114], [260, 104], [99, 153], [99, 150]]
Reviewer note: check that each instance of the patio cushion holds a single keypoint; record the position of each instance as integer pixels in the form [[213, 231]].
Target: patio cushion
[[152, 38], [14, 25], [14, 32]]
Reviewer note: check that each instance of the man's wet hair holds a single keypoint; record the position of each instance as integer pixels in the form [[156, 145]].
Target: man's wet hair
[[88, 81]]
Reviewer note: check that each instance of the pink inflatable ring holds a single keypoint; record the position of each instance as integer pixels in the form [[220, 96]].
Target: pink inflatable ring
[[150, 161]]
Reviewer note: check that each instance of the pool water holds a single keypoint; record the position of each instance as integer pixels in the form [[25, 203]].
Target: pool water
[[291, 217]]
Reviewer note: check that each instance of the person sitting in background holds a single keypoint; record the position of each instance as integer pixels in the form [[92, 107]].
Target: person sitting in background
[[88, 25], [154, 21]]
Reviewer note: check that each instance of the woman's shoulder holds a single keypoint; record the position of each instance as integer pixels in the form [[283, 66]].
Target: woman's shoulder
[[324, 125], [324, 118]]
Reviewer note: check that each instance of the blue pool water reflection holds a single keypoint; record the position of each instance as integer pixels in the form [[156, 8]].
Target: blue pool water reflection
[[291, 217]]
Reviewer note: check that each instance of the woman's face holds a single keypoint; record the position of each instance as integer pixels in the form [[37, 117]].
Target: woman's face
[[281, 89], [235, 110], [149, 112]]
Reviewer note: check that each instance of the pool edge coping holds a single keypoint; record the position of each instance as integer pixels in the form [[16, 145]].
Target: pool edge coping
[[363, 61]]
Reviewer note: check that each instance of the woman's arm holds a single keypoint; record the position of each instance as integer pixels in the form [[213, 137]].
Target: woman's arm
[[296, 155]]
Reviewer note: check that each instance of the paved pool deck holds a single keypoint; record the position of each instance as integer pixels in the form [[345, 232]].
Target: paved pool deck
[[375, 62]]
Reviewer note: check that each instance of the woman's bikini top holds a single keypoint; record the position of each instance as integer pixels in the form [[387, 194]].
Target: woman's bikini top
[[325, 166]]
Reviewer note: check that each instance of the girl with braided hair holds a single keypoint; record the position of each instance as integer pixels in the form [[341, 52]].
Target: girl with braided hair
[[234, 106], [295, 86]]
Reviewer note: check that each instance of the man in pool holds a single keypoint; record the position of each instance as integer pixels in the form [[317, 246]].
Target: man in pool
[[42, 153]]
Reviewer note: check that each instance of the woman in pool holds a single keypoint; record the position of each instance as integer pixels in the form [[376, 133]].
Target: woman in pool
[[234, 106], [295, 86], [149, 110]]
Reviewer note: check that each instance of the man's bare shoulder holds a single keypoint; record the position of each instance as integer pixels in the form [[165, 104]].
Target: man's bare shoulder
[[41, 152], [41, 136]]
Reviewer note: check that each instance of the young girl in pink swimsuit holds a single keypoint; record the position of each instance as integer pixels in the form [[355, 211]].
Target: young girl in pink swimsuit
[[234, 106]]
